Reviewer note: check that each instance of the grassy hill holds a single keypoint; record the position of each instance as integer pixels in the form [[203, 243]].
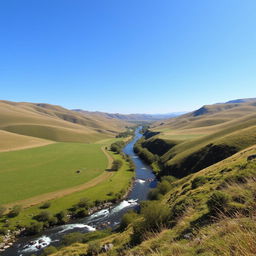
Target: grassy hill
[[195, 143], [209, 213], [56, 123]]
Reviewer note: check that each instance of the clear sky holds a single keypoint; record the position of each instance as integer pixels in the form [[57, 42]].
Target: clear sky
[[128, 56]]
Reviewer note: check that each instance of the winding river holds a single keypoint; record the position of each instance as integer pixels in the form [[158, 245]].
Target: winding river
[[110, 217]]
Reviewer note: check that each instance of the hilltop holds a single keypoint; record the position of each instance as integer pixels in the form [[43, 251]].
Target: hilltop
[[52, 123], [131, 117], [201, 138]]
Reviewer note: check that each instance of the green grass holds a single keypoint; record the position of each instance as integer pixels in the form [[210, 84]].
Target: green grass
[[207, 235], [120, 181], [31, 172]]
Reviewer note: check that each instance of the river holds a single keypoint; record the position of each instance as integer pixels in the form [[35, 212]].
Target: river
[[110, 217]]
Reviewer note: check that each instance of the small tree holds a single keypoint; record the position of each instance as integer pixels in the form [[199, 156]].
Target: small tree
[[117, 164]]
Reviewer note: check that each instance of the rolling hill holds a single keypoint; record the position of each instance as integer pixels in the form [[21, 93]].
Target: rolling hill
[[54, 123], [131, 117], [203, 137]]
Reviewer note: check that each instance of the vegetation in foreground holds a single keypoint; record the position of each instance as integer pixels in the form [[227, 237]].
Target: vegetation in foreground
[[78, 204], [212, 212]]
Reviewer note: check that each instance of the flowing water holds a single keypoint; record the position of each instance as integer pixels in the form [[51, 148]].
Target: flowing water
[[110, 217]]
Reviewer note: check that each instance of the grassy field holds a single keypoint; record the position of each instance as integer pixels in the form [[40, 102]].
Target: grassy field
[[115, 183], [32, 172]]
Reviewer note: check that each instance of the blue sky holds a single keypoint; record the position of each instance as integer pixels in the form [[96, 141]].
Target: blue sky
[[128, 56]]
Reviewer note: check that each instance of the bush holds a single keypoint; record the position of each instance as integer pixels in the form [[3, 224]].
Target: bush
[[62, 217], [80, 213], [117, 164], [93, 248], [2, 211], [84, 203], [117, 147], [154, 194], [43, 216], [164, 187], [156, 216], [218, 202], [72, 238], [198, 181], [15, 211], [127, 219], [45, 205], [50, 250], [34, 228]]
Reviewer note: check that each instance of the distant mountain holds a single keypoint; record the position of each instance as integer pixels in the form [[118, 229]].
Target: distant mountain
[[211, 115], [242, 100], [131, 117]]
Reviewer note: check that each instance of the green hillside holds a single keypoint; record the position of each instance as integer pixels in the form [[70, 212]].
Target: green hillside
[[56, 123], [190, 151], [210, 213]]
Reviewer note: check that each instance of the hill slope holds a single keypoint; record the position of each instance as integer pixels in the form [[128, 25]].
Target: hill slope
[[55, 123], [194, 146], [210, 213]]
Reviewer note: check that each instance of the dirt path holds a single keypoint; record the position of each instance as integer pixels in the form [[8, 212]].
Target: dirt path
[[57, 194]]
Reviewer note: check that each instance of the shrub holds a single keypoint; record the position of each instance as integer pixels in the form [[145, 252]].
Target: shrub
[[198, 181], [43, 216], [156, 216], [127, 219], [164, 187], [84, 203], [15, 211], [34, 228], [117, 164], [72, 238], [117, 146], [2, 211], [62, 217], [154, 194], [218, 202], [80, 213], [93, 248], [50, 250], [45, 205]]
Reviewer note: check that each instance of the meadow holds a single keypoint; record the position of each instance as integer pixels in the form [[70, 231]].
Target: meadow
[[31, 172]]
